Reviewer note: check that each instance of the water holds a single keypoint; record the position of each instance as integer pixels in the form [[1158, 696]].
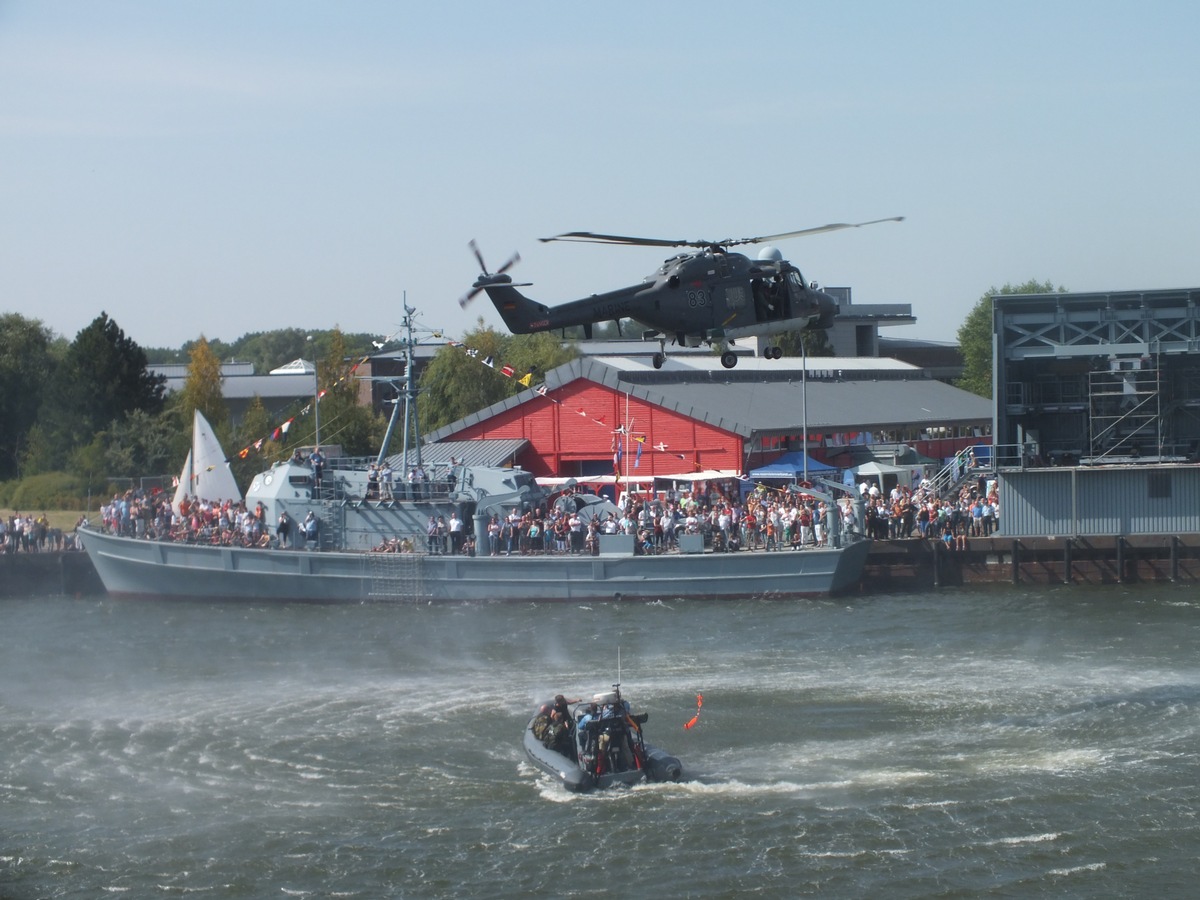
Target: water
[[997, 742]]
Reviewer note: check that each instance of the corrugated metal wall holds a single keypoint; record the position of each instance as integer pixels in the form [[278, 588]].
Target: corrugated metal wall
[[1116, 500]]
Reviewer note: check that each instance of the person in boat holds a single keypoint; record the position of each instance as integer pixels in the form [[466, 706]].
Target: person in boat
[[562, 707], [585, 738], [317, 460], [560, 730], [284, 529], [618, 708]]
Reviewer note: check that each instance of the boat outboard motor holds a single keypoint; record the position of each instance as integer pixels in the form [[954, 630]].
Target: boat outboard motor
[[662, 766]]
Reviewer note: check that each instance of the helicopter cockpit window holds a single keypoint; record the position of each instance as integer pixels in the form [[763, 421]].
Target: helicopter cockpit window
[[795, 282]]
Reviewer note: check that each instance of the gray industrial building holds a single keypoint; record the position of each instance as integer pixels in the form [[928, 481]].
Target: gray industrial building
[[1097, 412]]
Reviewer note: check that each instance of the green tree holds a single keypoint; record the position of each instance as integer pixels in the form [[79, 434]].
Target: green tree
[[815, 342], [256, 425], [202, 390], [456, 383], [102, 378], [534, 354], [141, 444], [975, 336], [26, 358], [271, 349]]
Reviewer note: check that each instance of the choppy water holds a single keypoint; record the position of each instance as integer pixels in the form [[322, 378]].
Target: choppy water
[[1000, 743]]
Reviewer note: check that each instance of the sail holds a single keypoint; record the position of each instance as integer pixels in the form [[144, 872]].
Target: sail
[[182, 483], [206, 473]]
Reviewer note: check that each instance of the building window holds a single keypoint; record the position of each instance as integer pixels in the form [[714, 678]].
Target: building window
[[1160, 484]]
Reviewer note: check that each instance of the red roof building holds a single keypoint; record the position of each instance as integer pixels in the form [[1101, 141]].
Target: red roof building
[[693, 415]]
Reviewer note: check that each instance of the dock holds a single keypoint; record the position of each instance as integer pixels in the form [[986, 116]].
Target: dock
[[916, 564]]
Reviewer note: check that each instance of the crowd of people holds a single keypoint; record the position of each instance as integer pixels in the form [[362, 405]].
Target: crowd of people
[[26, 534], [767, 520], [921, 513], [227, 523]]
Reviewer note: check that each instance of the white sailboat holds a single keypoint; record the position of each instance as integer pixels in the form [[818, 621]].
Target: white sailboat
[[206, 473]]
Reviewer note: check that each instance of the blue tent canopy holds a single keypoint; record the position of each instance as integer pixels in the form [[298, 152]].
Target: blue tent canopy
[[791, 465]]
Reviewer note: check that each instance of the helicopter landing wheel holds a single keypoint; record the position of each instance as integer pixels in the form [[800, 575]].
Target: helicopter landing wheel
[[776, 352], [658, 359], [729, 359]]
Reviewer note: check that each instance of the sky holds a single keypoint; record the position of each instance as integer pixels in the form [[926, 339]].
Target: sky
[[225, 167]]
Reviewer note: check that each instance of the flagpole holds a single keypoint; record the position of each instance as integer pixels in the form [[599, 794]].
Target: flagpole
[[804, 401], [625, 452], [316, 401]]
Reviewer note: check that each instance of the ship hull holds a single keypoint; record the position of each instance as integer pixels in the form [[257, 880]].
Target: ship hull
[[141, 568]]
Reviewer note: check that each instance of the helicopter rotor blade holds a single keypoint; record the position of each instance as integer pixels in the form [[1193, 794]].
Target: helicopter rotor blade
[[820, 229], [479, 256], [588, 237], [468, 297]]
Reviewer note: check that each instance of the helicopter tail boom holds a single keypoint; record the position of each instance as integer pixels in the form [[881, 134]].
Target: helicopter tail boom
[[522, 315]]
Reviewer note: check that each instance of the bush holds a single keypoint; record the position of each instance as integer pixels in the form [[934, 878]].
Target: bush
[[50, 490]]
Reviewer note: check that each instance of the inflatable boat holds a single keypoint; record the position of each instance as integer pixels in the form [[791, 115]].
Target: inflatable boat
[[595, 744]]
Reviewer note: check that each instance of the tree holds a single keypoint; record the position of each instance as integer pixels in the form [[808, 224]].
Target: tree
[[26, 358], [815, 342], [456, 383], [256, 425], [271, 349], [102, 378], [343, 421], [975, 336], [141, 444], [202, 390]]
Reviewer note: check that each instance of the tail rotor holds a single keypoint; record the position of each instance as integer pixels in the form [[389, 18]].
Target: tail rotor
[[485, 274]]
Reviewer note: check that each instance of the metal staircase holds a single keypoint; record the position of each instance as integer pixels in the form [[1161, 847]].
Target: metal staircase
[[1125, 412]]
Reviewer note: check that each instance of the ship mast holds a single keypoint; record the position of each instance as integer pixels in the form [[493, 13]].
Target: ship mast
[[409, 392]]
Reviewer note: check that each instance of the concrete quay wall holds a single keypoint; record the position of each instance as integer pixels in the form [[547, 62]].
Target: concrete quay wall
[[907, 565]]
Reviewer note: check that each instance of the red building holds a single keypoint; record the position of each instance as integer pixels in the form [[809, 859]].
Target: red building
[[693, 415]]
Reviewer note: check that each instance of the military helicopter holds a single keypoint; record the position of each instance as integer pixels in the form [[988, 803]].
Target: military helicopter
[[707, 294]]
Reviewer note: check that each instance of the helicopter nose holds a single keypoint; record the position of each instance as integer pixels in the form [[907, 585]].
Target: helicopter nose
[[828, 311]]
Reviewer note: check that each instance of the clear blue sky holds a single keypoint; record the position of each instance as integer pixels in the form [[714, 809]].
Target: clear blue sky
[[226, 167]]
